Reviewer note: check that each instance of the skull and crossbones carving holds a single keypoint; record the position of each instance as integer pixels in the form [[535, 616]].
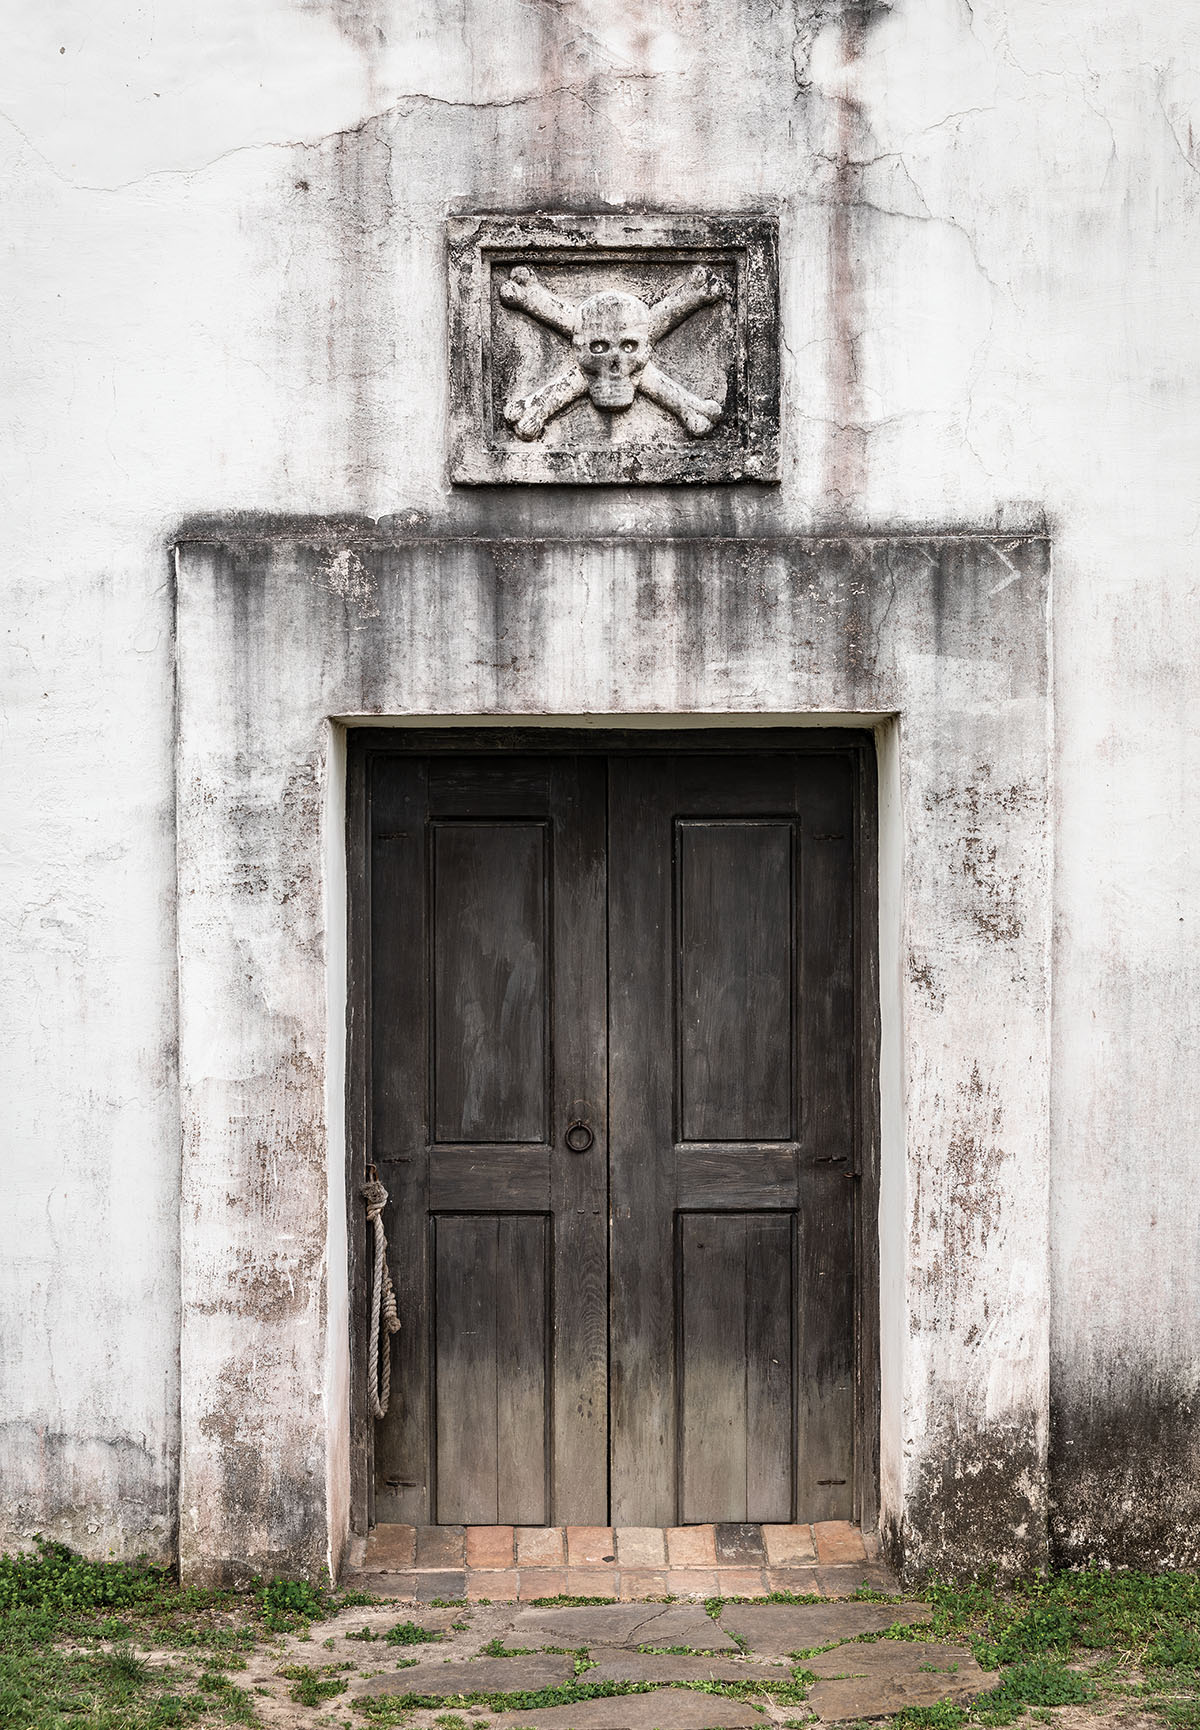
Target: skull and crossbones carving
[[614, 336]]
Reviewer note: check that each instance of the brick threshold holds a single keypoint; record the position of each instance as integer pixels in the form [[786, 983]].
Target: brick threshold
[[829, 1558]]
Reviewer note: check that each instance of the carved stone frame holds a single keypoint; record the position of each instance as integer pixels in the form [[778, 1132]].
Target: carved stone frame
[[483, 452]]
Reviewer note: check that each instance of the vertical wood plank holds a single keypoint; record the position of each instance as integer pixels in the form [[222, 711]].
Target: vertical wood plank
[[642, 1101], [866, 1213], [399, 1055], [579, 1181], [466, 1260], [713, 1369], [770, 1391], [358, 1126], [521, 1328], [826, 1248]]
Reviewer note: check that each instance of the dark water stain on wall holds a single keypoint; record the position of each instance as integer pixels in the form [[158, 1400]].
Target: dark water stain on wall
[[1125, 1471], [55, 1481], [844, 474], [978, 1505]]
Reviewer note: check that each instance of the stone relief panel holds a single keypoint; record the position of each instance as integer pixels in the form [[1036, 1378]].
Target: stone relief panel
[[618, 348]]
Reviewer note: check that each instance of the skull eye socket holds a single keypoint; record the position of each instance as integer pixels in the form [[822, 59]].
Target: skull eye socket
[[598, 345], [627, 347]]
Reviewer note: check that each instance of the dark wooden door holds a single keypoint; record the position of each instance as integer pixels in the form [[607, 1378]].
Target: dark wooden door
[[731, 978], [660, 947], [488, 1041]]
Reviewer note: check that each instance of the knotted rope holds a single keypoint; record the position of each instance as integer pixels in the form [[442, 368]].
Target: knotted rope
[[383, 1302]]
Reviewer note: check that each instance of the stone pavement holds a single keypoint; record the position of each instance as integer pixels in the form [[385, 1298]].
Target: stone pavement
[[651, 1656], [731, 1665], [829, 1557]]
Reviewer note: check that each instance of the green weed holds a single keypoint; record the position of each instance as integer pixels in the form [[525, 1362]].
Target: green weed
[[53, 1579], [411, 1634], [564, 1601], [286, 1603], [311, 1686]]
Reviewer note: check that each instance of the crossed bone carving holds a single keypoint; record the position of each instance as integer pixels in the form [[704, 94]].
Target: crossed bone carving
[[614, 336]]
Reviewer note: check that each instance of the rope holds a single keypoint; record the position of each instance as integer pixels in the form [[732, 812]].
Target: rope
[[383, 1303]]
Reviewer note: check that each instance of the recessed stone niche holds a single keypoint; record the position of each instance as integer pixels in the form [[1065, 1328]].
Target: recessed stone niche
[[626, 348]]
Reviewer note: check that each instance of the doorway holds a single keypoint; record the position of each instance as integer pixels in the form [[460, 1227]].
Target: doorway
[[616, 1071]]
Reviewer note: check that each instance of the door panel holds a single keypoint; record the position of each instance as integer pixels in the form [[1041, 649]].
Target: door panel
[[737, 1393], [488, 1040], [734, 898], [731, 884], [490, 1010], [490, 1368]]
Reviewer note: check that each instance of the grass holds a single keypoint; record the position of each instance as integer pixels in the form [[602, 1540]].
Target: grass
[[311, 1684], [407, 1634], [1070, 1639], [71, 1629], [564, 1601]]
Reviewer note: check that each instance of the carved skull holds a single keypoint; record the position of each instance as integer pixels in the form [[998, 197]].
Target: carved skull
[[612, 339]]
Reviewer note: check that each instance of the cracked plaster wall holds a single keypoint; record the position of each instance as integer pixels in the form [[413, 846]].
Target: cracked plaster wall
[[223, 290]]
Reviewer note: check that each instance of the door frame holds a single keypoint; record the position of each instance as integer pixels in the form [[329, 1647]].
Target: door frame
[[858, 745]]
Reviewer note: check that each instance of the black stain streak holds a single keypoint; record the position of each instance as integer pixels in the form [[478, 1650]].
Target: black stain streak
[[1125, 1471], [979, 1503]]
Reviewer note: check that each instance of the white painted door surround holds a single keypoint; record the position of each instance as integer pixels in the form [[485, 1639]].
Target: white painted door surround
[[938, 644]]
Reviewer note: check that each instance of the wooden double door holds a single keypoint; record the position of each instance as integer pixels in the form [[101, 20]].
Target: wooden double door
[[613, 1095]]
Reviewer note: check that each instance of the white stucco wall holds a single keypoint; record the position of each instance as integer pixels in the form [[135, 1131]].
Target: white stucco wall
[[223, 290]]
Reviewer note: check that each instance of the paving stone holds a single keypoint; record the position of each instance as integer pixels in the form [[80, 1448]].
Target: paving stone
[[641, 1547], [588, 1625], [542, 1583], [692, 1582], [496, 1584], [441, 1546], [588, 1545], [440, 1585], [691, 1546], [592, 1582], [774, 1630], [740, 1546], [540, 1547], [684, 1625], [664, 1709], [687, 1625], [378, 1585], [388, 1548], [800, 1582], [489, 1546], [635, 1583], [788, 1545], [891, 1658], [873, 1681], [838, 1542], [622, 1625], [492, 1675], [839, 1582], [741, 1583], [614, 1664]]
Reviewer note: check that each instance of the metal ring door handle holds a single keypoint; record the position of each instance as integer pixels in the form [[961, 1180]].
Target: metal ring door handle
[[579, 1137]]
